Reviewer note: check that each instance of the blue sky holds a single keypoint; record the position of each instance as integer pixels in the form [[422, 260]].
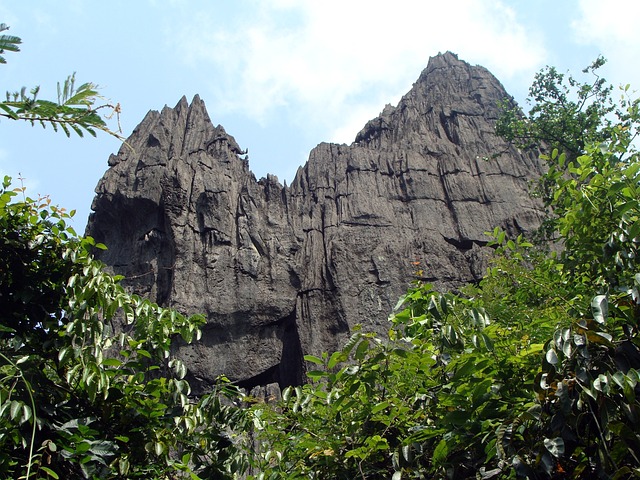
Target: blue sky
[[280, 75]]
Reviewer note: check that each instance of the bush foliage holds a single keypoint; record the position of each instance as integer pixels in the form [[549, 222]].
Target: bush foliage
[[88, 386]]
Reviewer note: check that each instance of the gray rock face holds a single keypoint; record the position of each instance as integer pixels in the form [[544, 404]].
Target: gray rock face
[[285, 271]]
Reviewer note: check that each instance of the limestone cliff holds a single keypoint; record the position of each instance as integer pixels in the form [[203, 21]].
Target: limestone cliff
[[285, 271]]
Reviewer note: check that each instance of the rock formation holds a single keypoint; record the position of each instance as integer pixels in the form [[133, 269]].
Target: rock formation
[[285, 271]]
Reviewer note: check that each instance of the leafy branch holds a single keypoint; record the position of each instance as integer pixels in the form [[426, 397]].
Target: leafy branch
[[77, 109], [8, 42]]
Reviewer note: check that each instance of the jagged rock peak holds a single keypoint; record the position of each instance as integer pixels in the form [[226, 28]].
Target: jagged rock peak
[[447, 88], [281, 272], [443, 60], [183, 129]]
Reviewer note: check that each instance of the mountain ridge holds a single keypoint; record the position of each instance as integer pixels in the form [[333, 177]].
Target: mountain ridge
[[282, 271]]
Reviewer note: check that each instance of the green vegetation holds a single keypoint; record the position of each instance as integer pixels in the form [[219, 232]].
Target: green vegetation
[[88, 385], [75, 109], [564, 113], [532, 373], [88, 388]]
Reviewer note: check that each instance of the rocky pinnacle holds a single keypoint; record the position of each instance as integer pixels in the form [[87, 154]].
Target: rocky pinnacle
[[284, 271]]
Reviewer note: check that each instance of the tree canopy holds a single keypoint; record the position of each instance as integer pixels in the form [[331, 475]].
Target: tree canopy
[[564, 113]]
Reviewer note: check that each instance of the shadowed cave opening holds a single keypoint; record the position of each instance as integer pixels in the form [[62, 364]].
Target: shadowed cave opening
[[290, 371]]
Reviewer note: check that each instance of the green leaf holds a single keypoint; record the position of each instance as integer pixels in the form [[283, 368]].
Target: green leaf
[[316, 374], [123, 466], [466, 368], [361, 349], [555, 446], [600, 308], [334, 359], [49, 472], [440, 452], [433, 308], [552, 356], [143, 353], [15, 409], [379, 407], [111, 362], [286, 394], [400, 303], [601, 383], [602, 338], [314, 359], [82, 447], [159, 448]]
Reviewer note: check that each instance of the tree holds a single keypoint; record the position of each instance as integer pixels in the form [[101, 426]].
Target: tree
[[436, 399], [88, 384], [89, 388], [564, 114]]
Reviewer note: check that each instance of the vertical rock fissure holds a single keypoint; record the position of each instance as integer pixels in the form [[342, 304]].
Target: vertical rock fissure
[[443, 176], [291, 366]]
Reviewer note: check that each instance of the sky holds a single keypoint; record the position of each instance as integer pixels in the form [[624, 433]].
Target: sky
[[281, 76]]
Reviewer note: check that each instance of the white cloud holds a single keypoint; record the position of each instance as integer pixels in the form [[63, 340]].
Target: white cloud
[[333, 63], [612, 28], [609, 22]]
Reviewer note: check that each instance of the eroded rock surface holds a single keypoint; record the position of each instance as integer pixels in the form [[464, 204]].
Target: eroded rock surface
[[285, 271]]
